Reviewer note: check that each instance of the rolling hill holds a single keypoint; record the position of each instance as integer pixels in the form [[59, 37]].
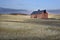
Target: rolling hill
[[55, 11], [8, 11], [24, 11]]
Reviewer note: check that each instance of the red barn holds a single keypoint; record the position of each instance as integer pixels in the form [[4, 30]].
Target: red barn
[[39, 14]]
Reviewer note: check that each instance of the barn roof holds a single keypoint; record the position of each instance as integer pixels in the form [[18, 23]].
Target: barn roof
[[38, 12]]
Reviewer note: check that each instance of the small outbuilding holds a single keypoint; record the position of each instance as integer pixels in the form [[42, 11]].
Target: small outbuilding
[[39, 14]]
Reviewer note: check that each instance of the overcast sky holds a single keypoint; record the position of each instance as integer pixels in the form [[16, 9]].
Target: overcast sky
[[30, 4]]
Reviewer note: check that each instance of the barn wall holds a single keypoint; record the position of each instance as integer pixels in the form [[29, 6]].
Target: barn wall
[[44, 15], [41, 15]]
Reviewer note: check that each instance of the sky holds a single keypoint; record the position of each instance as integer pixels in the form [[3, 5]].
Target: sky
[[30, 4]]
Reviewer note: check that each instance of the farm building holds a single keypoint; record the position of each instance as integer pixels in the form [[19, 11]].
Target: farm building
[[39, 14]]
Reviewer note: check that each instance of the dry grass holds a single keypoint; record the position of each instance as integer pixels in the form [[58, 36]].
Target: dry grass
[[14, 17], [57, 16], [41, 29]]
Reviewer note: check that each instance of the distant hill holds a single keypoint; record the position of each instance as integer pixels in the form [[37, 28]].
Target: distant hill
[[56, 11], [8, 11], [23, 11]]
